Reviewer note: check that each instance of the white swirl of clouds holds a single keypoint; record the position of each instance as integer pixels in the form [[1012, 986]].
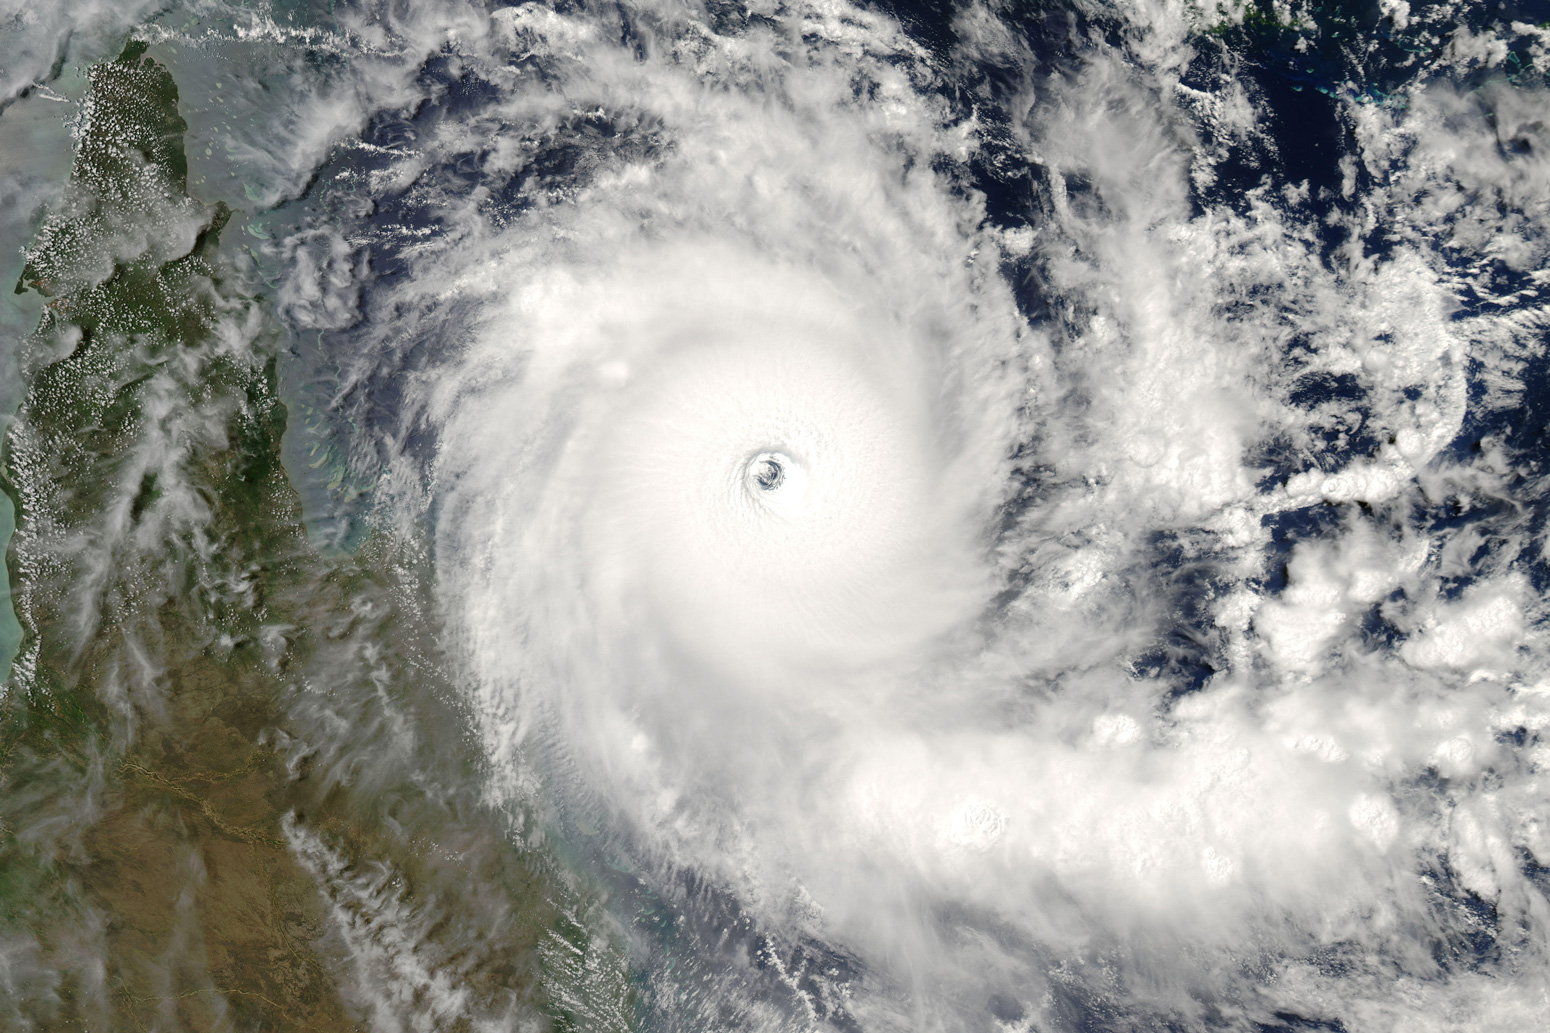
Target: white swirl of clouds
[[773, 536], [755, 443]]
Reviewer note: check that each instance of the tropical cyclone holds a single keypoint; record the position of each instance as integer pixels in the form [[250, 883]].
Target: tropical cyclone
[[749, 498], [961, 517]]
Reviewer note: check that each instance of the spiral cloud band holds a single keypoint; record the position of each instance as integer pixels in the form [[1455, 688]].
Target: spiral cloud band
[[1107, 603], [753, 507], [777, 515]]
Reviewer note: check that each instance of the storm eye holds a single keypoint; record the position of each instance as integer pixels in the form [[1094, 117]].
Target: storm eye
[[768, 473]]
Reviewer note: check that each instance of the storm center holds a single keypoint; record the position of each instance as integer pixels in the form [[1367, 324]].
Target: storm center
[[767, 471]]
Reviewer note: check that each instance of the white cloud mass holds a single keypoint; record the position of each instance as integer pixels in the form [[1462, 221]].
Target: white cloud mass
[[916, 707], [1126, 613]]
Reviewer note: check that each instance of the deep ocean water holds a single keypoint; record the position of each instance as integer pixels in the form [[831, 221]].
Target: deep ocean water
[[984, 516]]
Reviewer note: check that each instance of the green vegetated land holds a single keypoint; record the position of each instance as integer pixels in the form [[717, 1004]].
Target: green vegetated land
[[230, 793]]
